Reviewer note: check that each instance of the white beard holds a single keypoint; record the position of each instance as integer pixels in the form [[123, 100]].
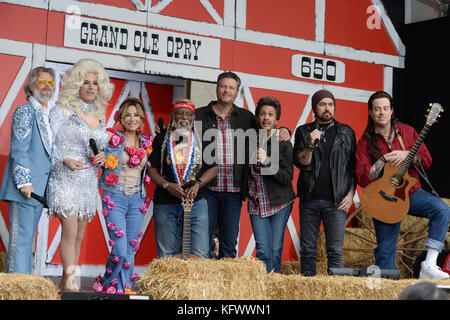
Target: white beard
[[43, 98], [182, 128]]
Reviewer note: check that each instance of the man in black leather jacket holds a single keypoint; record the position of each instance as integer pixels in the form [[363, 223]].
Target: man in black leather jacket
[[324, 151]]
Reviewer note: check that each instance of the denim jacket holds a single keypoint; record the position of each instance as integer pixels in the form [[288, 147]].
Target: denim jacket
[[115, 148]]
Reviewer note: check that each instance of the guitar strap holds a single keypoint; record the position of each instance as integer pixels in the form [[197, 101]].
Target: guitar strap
[[421, 171]]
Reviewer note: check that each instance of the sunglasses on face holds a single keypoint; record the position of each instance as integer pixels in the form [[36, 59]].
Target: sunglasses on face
[[183, 113], [42, 82]]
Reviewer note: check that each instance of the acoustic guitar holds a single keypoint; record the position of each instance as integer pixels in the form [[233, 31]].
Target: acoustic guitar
[[387, 199], [186, 241]]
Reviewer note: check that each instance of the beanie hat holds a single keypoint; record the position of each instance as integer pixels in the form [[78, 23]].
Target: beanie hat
[[319, 95]]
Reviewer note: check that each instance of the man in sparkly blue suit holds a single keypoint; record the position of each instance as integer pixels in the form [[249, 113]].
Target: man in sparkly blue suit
[[28, 167]]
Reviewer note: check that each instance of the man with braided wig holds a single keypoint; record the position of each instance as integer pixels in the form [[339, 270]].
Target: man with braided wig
[[177, 162]]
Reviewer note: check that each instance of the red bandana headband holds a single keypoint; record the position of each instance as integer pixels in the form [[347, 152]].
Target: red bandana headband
[[183, 104]]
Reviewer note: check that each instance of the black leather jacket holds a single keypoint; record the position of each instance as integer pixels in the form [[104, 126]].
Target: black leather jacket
[[342, 162]]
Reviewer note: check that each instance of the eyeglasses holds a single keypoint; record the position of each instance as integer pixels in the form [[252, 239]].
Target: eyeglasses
[[183, 113], [41, 82]]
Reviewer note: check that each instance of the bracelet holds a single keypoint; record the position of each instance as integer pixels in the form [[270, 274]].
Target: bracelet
[[199, 182], [382, 158]]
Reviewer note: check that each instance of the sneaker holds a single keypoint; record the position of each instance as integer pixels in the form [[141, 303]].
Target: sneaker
[[428, 271]]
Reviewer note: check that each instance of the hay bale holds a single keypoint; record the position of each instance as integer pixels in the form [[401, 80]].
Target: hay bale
[[356, 249], [297, 287], [204, 279], [3, 257], [293, 268], [16, 286]]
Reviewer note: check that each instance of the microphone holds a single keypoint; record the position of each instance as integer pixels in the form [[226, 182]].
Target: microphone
[[316, 143], [161, 124], [40, 199], [93, 146]]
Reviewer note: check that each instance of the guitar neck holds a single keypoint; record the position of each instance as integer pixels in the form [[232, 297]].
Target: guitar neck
[[412, 153], [186, 241]]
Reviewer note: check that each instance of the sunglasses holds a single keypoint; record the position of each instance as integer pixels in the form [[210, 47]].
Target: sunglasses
[[182, 113], [41, 82]]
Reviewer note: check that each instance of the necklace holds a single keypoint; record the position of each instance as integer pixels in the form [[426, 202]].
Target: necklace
[[85, 107], [323, 129]]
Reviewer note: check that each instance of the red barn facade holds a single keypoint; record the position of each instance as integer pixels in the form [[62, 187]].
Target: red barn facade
[[288, 49]]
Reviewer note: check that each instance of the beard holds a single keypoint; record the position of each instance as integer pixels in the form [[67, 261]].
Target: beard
[[43, 98], [182, 128]]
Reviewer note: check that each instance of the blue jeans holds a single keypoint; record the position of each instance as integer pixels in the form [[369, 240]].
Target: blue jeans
[[23, 221], [269, 237], [226, 208], [169, 225], [126, 216], [312, 213], [421, 204]]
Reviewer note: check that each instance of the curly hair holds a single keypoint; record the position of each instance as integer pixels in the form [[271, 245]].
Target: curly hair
[[73, 80], [369, 132]]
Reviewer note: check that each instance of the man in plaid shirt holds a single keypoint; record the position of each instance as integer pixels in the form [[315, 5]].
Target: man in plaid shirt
[[227, 191]]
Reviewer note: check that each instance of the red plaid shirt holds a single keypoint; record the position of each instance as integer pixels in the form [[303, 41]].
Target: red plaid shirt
[[258, 198], [226, 156]]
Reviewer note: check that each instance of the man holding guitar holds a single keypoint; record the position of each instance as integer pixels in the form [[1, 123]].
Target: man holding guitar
[[393, 146], [180, 175]]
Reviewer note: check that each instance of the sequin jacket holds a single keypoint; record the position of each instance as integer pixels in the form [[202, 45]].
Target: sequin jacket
[[115, 148], [30, 157]]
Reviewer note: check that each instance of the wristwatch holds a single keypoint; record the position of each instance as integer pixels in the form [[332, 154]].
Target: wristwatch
[[200, 183], [165, 185]]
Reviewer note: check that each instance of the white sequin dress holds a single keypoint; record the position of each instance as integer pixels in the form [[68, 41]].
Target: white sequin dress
[[74, 192]]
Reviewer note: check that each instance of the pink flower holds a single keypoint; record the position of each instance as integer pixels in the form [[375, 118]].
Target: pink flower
[[116, 259], [136, 247], [131, 151], [134, 161], [98, 287], [111, 179], [111, 205], [141, 153], [134, 276], [106, 198], [146, 144], [127, 286], [111, 226], [120, 291], [105, 212], [126, 265], [141, 234], [119, 233], [147, 179], [147, 201], [111, 242], [111, 289], [115, 140], [143, 208], [147, 137], [134, 242], [114, 282], [109, 270]]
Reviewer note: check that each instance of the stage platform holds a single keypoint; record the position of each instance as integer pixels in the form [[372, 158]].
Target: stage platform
[[86, 292]]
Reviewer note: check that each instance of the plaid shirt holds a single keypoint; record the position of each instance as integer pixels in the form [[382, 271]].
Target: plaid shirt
[[258, 198], [226, 154]]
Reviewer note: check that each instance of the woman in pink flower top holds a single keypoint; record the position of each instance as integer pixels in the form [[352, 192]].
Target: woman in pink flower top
[[124, 204]]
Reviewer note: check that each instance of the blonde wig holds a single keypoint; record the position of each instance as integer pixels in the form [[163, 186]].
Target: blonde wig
[[73, 80]]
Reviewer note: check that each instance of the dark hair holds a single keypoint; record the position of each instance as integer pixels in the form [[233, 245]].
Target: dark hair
[[369, 132], [32, 78], [268, 101], [231, 75], [423, 291]]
